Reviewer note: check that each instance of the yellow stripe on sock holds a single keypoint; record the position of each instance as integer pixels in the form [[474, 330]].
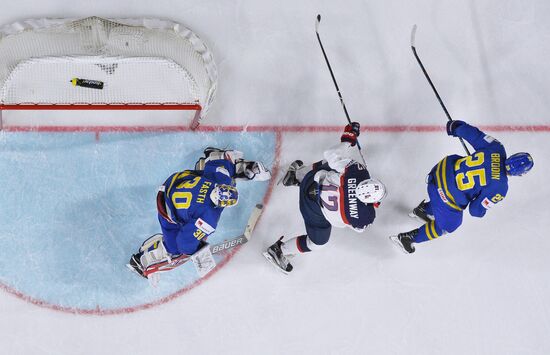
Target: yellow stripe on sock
[[441, 175], [428, 231], [432, 227]]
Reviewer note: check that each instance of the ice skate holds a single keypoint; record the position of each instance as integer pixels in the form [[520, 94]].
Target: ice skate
[[421, 213], [275, 256], [289, 179], [405, 241], [135, 265]]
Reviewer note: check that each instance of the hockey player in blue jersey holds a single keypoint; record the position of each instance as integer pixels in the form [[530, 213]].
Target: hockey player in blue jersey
[[337, 191], [477, 182], [190, 204]]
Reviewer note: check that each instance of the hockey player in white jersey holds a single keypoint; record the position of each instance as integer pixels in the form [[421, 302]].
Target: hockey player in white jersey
[[337, 191]]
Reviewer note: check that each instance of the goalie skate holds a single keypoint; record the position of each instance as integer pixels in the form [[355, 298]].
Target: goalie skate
[[135, 266]]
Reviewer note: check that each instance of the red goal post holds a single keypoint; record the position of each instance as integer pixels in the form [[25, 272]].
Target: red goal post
[[105, 64]]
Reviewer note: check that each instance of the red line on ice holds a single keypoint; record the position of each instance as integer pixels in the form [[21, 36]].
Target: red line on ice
[[269, 128]]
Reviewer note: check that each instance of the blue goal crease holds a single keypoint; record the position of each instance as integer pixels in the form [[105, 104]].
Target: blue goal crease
[[75, 209]]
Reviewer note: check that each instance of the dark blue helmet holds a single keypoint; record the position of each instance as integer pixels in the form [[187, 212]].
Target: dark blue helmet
[[518, 164]]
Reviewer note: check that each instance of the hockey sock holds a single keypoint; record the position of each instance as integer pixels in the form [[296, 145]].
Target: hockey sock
[[299, 245], [428, 231], [290, 247]]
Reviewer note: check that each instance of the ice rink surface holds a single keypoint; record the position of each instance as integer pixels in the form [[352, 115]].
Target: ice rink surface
[[482, 290]]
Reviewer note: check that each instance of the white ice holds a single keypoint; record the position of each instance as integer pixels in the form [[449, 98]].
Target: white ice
[[482, 290]]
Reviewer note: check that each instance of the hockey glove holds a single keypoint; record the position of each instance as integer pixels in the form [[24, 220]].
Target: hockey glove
[[251, 170], [351, 132], [452, 126]]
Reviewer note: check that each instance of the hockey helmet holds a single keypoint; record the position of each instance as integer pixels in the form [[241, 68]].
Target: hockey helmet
[[224, 195], [518, 164], [370, 191]]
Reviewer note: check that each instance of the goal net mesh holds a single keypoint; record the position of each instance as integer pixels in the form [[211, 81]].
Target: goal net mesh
[[136, 61]]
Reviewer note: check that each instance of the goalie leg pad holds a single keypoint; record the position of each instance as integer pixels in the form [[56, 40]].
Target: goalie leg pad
[[203, 260], [212, 153], [199, 165], [153, 252], [151, 241], [215, 154]]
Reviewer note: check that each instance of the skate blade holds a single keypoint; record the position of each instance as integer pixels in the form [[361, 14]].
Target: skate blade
[[133, 270], [398, 244], [273, 262]]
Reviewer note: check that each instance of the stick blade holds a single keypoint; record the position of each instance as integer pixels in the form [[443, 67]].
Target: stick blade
[[413, 36], [317, 22], [252, 220]]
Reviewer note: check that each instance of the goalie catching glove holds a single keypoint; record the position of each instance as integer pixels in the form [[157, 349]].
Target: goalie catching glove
[[244, 170], [251, 170]]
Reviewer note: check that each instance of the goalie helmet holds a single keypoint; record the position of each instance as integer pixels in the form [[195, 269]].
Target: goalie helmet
[[518, 164], [370, 191], [224, 195]]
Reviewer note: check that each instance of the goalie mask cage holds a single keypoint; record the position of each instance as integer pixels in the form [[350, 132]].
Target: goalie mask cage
[[105, 64]]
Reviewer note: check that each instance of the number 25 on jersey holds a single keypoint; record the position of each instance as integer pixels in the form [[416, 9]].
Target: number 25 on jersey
[[472, 168]]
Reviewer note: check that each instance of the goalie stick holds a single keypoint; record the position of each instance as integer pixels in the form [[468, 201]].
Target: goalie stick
[[203, 259], [413, 47]]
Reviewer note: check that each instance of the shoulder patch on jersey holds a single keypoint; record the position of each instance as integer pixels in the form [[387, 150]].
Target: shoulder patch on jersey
[[221, 169], [489, 139], [486, 203], [203, 226]]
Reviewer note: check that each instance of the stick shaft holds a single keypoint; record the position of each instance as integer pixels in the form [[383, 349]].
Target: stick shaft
[[413, 47], [334, 81], [333, 78]]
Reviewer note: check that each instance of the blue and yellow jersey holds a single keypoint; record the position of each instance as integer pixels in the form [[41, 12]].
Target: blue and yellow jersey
[[187, 197], [478, 180]]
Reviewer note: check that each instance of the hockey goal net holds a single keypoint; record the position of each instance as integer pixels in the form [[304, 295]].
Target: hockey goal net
[[105, 64]]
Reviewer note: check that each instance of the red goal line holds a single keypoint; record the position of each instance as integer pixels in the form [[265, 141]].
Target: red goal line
[[269, 128]]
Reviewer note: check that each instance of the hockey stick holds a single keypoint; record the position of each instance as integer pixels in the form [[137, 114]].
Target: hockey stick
[[413, 39], [243, 238], [317, 22], [204, 262]]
